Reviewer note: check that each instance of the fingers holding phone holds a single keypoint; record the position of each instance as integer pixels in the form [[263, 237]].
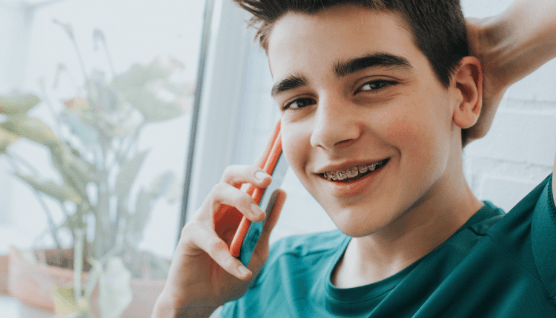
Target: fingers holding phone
[[226, 194], [203, 272], [238, 175], [200, 235]]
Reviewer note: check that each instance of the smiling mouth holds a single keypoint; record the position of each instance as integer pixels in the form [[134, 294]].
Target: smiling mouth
[[354, 173]]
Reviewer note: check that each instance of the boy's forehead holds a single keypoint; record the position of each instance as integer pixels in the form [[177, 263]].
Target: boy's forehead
[[298, 40]]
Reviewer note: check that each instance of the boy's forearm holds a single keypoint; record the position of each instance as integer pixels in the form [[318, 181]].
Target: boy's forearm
[[522, 38]]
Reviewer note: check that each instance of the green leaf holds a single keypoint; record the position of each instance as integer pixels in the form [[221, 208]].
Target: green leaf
[[17, 103], [73, 168], [161, 184], [166, 184], [139, 75], [104, 97], [157, 101], [30, 128], [66, 305], [79, 105], [6, 139], [149, 90], [64, 300], [139, 219], [115, 289], [59, 192], [67, 27], [94, 275], [129, 171], [85, 132]]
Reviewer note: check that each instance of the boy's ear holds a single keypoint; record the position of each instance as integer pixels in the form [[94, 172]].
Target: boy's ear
[[467, 84]]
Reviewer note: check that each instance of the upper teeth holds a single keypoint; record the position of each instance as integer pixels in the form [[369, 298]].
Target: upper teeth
[[351, 172]]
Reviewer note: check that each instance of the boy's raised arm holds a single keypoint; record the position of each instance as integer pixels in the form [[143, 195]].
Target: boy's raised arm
[[510, 46]]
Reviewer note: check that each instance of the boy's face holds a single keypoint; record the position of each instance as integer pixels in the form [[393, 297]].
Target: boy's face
[[357, 91]]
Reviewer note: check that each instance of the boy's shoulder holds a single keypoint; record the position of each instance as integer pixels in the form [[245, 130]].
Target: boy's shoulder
[[308, 253], [323, 247]]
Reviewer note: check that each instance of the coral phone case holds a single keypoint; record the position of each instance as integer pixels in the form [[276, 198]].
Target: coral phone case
[[229, 221]]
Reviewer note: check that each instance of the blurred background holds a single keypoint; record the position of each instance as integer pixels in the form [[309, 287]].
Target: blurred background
[[39, 57], [207, 84]]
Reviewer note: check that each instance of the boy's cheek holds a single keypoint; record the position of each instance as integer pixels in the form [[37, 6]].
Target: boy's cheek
[[295, 147], [402, 129], [406, 133]]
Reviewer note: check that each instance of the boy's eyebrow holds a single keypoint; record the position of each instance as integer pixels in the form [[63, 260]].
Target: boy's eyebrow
[[290, 82], [351, 66], [342, 69]]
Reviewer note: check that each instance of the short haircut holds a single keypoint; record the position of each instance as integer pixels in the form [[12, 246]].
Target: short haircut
[[438, 26]]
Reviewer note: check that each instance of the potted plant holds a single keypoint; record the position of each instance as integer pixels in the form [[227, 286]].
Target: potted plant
[[93, 145], [4, 266]]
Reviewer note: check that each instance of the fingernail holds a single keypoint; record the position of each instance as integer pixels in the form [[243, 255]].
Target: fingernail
[[244, 271], [261, 175], [256, 209]]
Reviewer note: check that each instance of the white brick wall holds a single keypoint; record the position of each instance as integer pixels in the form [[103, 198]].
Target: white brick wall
[[519, 151], [510, 161]]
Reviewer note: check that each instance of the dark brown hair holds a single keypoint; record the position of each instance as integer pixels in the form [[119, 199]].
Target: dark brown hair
[[438, 26]]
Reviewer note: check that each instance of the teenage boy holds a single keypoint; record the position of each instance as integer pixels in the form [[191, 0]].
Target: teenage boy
[[377, 100]]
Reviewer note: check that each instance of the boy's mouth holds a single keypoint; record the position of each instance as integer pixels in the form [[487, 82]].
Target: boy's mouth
[[354, 173]]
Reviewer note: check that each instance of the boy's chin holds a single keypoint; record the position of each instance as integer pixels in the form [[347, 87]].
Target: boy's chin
[[360, 230], [360, 224]]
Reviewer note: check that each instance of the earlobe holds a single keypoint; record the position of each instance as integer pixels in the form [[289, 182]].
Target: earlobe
[[468, 85]]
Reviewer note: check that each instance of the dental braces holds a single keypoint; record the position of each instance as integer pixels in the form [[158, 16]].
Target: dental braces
[[351, 172]]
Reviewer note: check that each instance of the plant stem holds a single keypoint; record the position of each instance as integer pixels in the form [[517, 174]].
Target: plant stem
[[123, 155], [69, 31], [78, 264], [14, 157], [50, 107], [80, 58], [62, 68], [42, 203], [49, 217], [117, 225], [109, 57]]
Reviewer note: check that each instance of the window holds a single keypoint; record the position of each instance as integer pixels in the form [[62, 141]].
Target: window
[[111, 37]]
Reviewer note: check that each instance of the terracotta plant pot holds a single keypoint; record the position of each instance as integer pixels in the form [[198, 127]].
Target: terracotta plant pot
[[32, 283], [4, 266]]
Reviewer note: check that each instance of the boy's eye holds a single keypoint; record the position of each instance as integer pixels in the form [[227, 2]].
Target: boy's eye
[[299, 103], [374, 85]]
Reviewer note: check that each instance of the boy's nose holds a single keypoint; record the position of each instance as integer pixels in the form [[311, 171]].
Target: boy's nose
[[335, 124]]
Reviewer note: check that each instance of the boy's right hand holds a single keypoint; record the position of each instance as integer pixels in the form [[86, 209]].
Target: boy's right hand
[[495, 83], [203, 274]]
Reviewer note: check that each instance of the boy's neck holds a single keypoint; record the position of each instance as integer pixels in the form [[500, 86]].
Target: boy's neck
[[421, 229]]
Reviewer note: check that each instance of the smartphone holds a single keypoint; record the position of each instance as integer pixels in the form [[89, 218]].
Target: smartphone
[[232, 225], [267, 204]]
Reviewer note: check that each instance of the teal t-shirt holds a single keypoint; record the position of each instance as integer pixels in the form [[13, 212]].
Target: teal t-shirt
[[495, 265]]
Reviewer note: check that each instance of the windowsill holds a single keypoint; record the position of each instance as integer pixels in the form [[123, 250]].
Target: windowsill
[[11, 307]]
